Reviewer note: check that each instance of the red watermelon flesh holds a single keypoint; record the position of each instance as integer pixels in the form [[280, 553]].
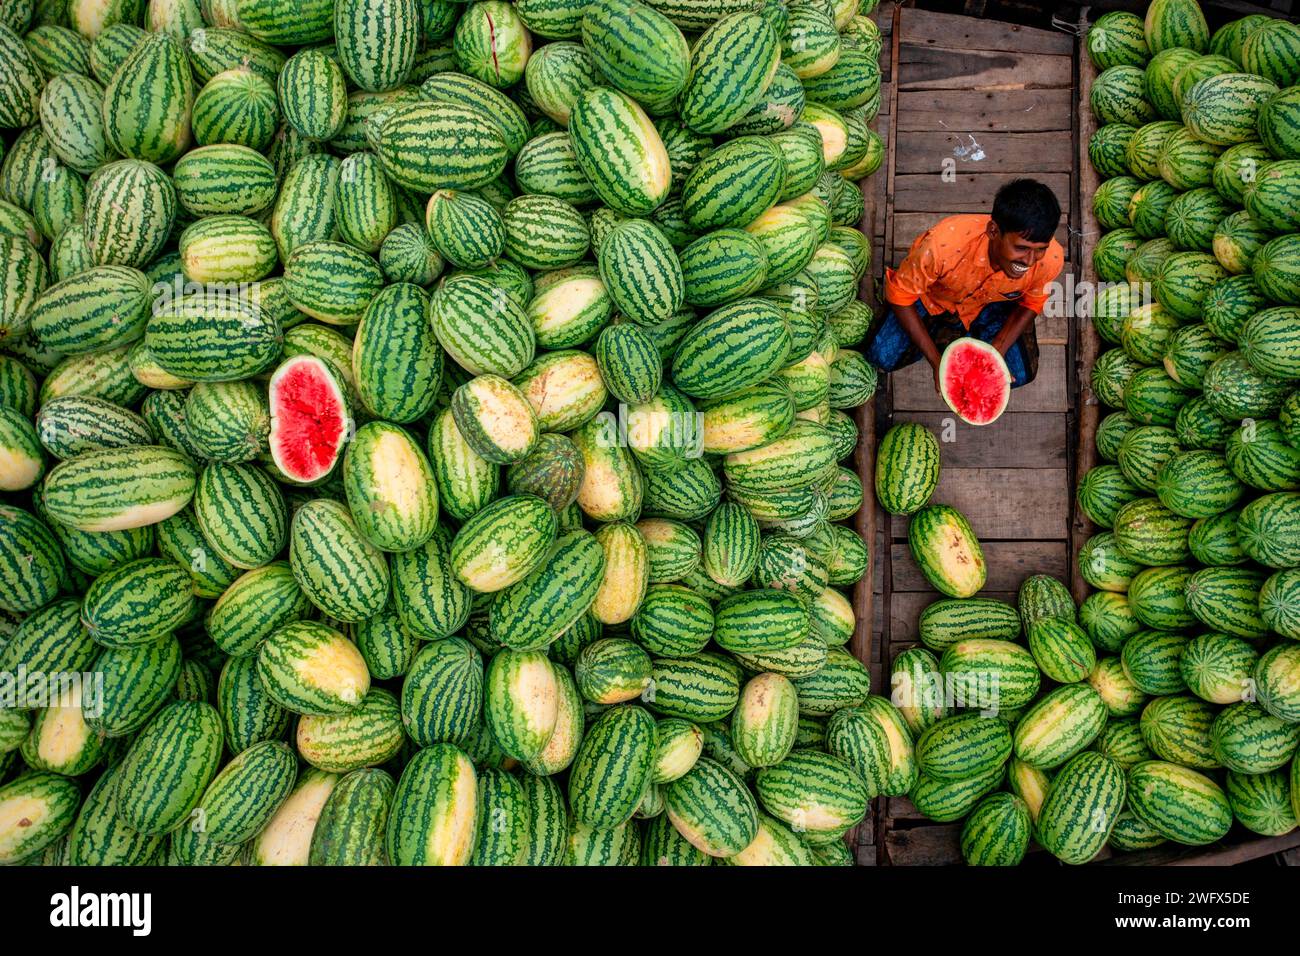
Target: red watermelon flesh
[[974, 381], [309, 418]]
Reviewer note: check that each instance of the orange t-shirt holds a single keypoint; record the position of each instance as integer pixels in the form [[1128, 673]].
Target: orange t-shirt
[[948, 270]]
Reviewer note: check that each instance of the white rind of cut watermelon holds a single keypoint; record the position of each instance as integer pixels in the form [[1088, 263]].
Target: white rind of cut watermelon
[[974, 381]]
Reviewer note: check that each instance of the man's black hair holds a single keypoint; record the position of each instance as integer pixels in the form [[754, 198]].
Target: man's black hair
[[1028, 207]]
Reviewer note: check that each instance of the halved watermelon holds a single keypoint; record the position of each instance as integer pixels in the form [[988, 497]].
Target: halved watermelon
[[974, 381], [309, 418]]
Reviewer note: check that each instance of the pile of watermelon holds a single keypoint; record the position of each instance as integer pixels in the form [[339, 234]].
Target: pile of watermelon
[[422, 423], [1195, 619], [1001, 718]]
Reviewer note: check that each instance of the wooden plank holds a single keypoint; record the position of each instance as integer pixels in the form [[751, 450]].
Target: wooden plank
[[1016, 440], [905, 608], [933, 152], [967, 33], [1009, 563], [913, 386], [971, 191], [1007, 504], [990, 111], [923, 67], [1219, 854], [1088, 343], [938, 845]]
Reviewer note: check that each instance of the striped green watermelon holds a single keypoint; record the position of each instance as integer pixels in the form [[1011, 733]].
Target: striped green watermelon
[[1176, 23], [1248, 739], [434, 814], [1119, 96], [1121, 696], [366, 736], [1271, 50], [1178, 729], [1277, 123], [169, 766], [1216, 667], [1261, 802], [1062, 723], [1081, 808], [1108, 619], [1223, 109], [238, 107], [1151, 660], [1278, 603], [1276, 682], [1182, 804], [997, 831]]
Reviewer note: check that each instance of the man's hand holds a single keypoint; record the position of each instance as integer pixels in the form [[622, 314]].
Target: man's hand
[[937, 386], [1015, 324], [916, 330]]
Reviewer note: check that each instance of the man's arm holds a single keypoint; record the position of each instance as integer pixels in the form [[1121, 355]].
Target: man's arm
[[916, 330], [1016, 323]]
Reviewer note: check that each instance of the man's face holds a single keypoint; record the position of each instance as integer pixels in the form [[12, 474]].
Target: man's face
[[1012, 253]]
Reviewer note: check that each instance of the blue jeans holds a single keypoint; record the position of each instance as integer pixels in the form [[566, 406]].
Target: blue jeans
[[892, 348]]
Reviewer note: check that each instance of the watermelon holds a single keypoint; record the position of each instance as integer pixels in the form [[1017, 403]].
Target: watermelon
[[1261, 802], [946, 621], [1277, 123], [1183, 805], [1119, 96], [1248, 739], [1223, 109], [1271, 50], [1176, 23], [1117, 38], [1276, 268], [1216, 667], [997, 831], [433, 817], [1081, 808], [1276, 682], [1278, 606], [1151, 660], [974, 381], [1111, 200], [1143, 150], [947, 551], [1198, 484], [1178, 729], [1193, 218], [907, 468]]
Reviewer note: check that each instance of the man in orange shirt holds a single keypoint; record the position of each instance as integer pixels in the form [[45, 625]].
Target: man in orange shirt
[[984, 276]]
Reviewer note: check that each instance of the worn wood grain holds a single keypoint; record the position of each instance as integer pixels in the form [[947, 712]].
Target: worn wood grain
[[970, 33], [937, 845], [936, 151], [1219, 854], [1009, 563], [1016, 440], [925, 67], [989, 111], [1001, 504], [914, 386], [971, 191]]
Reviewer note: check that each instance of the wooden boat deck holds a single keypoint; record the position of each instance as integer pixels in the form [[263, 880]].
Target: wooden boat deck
[[967, 105]]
